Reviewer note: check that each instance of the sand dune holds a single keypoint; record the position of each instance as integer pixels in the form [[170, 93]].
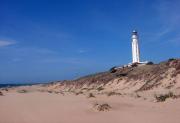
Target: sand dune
[[43, 107], [141, 94]]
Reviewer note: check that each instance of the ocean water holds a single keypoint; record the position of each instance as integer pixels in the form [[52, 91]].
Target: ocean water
[[15, 85]]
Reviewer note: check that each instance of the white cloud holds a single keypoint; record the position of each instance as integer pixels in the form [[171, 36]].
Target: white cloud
[[167, 13], [169, 16], [4, 43]]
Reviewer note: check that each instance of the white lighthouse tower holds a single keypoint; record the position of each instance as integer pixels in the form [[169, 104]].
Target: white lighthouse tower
[[135, 48], [135, 54]]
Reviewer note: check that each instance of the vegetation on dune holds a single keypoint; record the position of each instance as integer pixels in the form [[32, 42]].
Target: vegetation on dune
[[112, 93], [150, 63], [102, 107], [90, 95], [22, 91], [163, 97], [154, 76], [100, 88], [171, 59], [78, 93], [1, 93], [113, 70]]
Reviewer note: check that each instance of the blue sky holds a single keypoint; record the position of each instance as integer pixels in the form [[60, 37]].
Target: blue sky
[[47, 40]]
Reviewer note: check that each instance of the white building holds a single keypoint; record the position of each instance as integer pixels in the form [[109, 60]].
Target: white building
[[135, 48], [135, 52]]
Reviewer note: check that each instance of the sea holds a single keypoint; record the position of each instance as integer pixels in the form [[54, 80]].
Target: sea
[[16, 85]]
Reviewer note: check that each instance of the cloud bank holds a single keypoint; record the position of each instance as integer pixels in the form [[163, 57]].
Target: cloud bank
[[4, 43]]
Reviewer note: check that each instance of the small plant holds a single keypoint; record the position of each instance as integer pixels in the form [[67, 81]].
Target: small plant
[[171, 59], [102, 107], [137, 95], [84, 89], [113, 93], [150, 63], [134, 64], [113, 70], [22, 91], [77, 93], [90, 89], [5, 89], [163, 97], [1, 94], [49, 91], [90, 95], [100, 88]]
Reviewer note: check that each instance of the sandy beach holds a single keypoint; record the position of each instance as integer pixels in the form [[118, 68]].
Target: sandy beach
[[43, 107], [143, 94], [89, 61]]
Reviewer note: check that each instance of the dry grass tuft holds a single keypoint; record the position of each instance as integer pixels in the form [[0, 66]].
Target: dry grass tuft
[[1, 94], [90, 95], [22, 91], [102, 107], [78, 93], [112, 93], [163, 97], [100, 88]]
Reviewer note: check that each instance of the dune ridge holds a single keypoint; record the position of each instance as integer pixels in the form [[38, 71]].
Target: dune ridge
[[147, 79], [138, 94]]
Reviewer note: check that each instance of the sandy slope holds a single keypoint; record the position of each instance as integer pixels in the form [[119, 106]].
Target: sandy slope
[[136, 87], [143, 79], [43, 107]]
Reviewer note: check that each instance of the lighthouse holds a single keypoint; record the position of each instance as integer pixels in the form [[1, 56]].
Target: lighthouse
[[135, 54], [135, 48]]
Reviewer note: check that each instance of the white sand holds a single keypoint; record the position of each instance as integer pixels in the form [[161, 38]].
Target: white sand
[[43, 107]]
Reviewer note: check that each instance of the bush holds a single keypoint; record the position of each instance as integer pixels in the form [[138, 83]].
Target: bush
[[122, 74], [113, 93], [79, 93], [22, 91], [171, 59], [5, 89], [102, 107], [134, 65], [100, 88], [1, 94], [91, 95], [150, 63], [163, 97], [113, 70], [137, 95]]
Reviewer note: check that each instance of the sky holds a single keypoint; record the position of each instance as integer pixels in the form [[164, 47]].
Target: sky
[[49, 40]]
